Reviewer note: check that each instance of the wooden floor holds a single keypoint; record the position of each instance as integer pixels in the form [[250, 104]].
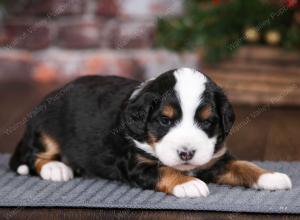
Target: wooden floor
[[260, 133], [108, 214]]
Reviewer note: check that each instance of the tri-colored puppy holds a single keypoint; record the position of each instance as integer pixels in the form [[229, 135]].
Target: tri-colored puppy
[[166, 134]]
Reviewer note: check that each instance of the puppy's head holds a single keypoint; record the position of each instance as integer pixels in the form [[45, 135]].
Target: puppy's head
[[181, 117]]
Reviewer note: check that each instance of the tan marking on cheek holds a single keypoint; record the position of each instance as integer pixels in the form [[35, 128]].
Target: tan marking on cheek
[[169, 111], [169, 178], [241, 173], [144, 160], [151, 140], [206, 112], [50, 153]]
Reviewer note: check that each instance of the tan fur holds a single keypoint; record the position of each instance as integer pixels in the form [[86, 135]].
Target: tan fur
[[151, 140], [51, 152], [144, 160], [169, 178], [241, 173], [169, 111], [205, 112]]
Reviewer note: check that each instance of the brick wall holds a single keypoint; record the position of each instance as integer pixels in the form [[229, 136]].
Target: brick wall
[[61, 39]]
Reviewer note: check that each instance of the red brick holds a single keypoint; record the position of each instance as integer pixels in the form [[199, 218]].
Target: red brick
[[50, 8], [150, 8], [44, 73], [111, 63], [70, 64], [108, 8], [80, 35], [28, 35], [4, 38], [52, 64], [128, 67], [65, 64], [135, 34], [94, 65], [15, 65], [155, 62], [109, 33]]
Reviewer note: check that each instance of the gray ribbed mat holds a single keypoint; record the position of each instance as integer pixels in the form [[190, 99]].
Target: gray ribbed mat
[[27, 191]]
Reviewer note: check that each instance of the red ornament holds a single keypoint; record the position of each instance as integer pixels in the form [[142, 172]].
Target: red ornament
[[216, 2], [291, 3]]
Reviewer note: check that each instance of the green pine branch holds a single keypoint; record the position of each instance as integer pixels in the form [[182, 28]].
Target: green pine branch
[[219, 29]]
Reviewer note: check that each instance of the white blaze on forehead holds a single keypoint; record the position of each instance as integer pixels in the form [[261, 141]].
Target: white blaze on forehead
[[189, 88], [190, 85]]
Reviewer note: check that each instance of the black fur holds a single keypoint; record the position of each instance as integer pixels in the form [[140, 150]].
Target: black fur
[[94, 118], [224, 116], [211, 175]]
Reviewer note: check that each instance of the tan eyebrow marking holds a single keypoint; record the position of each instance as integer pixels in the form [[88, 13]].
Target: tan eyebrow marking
[[169, 111], [205, 112], [143, 160]]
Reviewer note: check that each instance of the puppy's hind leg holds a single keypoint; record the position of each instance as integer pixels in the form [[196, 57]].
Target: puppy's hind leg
[[47, 163], [39, 154], [23, 158]]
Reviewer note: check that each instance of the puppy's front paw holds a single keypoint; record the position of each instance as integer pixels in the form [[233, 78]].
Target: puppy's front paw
[[193, 188], [56, 171], [273, 181]]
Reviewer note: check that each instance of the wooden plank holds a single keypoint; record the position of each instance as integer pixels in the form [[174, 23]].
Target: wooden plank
[[253, 77], [265, 53], [260, 67], [258, 74], [248, 98], [258, 88]]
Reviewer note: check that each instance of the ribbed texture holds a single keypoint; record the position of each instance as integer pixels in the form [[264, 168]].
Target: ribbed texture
[[30, 191]]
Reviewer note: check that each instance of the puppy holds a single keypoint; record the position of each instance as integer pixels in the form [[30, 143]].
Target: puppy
[[166, 134]]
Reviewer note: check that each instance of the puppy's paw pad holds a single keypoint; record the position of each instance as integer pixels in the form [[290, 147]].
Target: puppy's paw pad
[[56, 171], [193, 188], [273, 181]]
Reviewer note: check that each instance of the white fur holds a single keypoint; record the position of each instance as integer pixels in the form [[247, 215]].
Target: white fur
[[189, 87], [193, 188], [273, 181], [56, 171], [145, 147], [188, 167], [140, 88], [23, 170]]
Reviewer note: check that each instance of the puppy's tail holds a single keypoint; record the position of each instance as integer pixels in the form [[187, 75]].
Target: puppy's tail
[[23, 170], [22, 160], [17, 162]]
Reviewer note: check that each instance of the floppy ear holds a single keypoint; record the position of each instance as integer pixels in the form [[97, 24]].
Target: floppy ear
[[225, 111], [136, 115]]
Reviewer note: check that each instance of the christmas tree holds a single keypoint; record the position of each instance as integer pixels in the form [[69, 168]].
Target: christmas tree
[[220, 27]]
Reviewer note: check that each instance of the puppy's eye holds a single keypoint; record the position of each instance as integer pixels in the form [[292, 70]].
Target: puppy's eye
[[165, 121], [206, 123]]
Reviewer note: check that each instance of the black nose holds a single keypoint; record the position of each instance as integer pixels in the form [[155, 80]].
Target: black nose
[[186, 155]]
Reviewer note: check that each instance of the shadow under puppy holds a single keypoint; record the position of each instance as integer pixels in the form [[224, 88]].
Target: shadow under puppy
[[166, 134]]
